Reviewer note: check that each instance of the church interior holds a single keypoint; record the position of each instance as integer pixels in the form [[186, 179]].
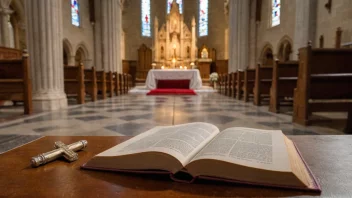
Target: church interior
[[116, 68]]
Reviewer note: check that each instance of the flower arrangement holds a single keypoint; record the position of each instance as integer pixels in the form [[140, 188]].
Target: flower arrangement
[[214, 77]]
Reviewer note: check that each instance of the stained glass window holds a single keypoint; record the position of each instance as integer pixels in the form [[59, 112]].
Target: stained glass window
[[203, 17], [169, 3], [146, 31], [275, 19], [75, 12]]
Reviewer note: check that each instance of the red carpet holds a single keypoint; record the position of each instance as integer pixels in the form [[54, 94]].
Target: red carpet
[[155, 92], [173, 84]]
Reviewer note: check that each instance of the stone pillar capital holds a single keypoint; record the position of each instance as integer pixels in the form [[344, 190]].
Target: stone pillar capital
[[5, 11]]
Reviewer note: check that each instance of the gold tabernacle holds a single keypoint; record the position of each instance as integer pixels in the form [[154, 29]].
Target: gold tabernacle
[[68, 151]]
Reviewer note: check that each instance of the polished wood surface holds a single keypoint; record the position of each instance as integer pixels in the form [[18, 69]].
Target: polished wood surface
[[263, 79], [324, 82], [90, 83], [284, 81], [327, 156], [204, 69], [248, 86], [74, 82], [101, 83], [145, 61], [221, 66]]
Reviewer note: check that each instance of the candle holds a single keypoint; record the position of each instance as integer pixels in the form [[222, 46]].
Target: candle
[[185, 67], [162, 67], [181, 67]]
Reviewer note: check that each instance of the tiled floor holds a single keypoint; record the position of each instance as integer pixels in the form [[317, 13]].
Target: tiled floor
[[133, 114]]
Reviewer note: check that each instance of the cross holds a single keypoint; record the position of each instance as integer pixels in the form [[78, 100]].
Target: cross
[[68, 151]]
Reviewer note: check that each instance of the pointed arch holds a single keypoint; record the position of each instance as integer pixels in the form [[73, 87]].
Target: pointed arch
[[267, 55], [67, 47], [67, 52], [83, 45], [284, 48], [81, 54]]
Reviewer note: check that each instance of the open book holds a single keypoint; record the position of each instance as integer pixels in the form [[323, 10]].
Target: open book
[[243, 155]]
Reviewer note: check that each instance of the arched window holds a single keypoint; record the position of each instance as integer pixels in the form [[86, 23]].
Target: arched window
[[169, 3], [146, 30], [276, 12], [203, 17], [75, 13]]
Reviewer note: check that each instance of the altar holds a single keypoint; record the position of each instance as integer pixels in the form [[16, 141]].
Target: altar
[[193, 75]]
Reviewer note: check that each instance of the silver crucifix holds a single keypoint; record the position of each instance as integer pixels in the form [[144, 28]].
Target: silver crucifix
[[68, 151]]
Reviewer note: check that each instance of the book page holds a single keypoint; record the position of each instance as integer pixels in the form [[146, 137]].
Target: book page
[[255, 148], [181, 141]]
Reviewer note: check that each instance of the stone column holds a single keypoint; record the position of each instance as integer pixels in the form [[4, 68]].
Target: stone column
[[194, 41], [16, 35], [233, 35], [119, 37], [97, 36], [306, 13], [238, 34], [244, 38], [226, 54], [5, 13], [123, 45], [253, 35], [156, 39], [110, 25], [167, 43], [44, 35], [226, 33], [181, 47]]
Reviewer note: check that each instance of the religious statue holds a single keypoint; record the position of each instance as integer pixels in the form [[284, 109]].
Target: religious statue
[[205, 53]]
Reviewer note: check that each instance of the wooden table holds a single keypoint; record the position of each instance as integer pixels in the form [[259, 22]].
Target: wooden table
[[329, 157]]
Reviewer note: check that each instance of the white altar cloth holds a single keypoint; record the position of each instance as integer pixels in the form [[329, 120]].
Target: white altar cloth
[[174, 74]]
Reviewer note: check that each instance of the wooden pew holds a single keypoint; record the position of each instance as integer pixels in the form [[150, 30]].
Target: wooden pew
[[239, 84], [221, 85], [15, 79], [90, 82], [101, 82], [284, 82], [121, 80], [229, 84], [130, 79], [74, 82], [109, 84], [116, 83], [263, 78], [348, 128], [324, 83], [128, 86], [225, 77], [233, 85], [125, 83], [248, 84]]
